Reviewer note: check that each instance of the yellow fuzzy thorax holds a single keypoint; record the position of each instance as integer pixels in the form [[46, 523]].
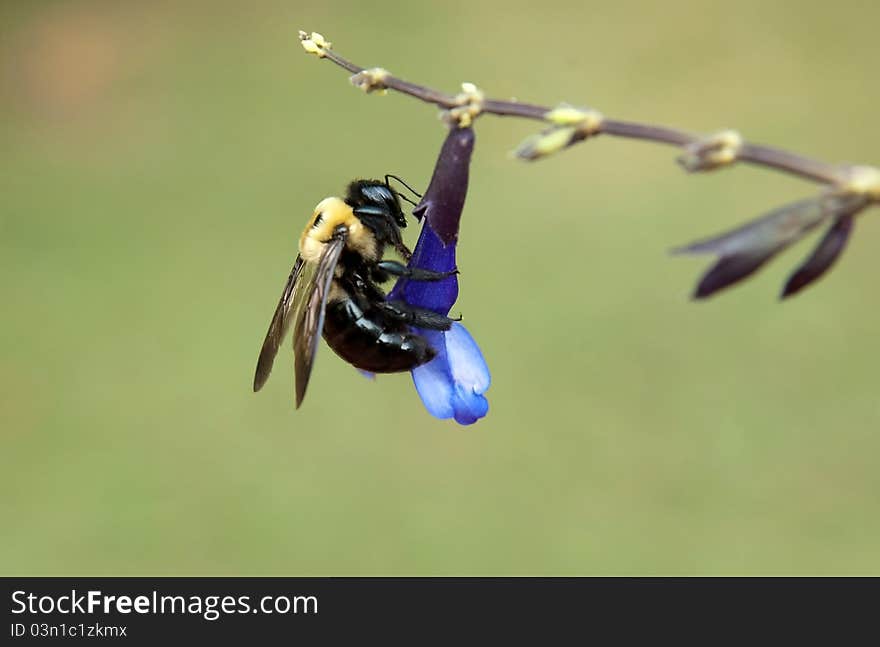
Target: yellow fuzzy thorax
[[328, 215]]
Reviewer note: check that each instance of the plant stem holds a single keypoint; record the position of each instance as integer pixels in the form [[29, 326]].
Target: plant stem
[[774, 158]]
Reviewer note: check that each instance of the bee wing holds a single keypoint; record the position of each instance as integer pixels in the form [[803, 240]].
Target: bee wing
[[279, 325], [310, 313]]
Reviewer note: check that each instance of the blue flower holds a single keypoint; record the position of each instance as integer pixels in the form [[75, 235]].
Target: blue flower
[[453, 383]]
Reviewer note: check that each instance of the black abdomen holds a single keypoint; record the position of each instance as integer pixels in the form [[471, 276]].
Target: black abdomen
[[370, 340]]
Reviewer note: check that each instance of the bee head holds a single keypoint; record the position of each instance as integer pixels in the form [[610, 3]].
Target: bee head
[[370, 213], [377, 198]]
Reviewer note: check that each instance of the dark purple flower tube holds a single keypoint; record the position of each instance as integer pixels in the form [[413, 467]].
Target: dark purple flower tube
[[453, 383]]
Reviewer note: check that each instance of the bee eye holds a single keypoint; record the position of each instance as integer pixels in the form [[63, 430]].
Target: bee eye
[[318, 220]]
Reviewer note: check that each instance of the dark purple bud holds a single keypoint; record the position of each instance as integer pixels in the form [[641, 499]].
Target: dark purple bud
[[443, 201], [823, 257], [729, 270], [745, 249]]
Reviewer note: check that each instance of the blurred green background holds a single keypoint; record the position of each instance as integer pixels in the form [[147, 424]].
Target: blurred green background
[[159, 161]]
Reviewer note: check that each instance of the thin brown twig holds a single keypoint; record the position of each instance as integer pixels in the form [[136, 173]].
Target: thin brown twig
[[766, 156]]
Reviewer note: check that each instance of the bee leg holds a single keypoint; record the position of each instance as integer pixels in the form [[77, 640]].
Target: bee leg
[[414, 273], [418, 317], [403, 250]]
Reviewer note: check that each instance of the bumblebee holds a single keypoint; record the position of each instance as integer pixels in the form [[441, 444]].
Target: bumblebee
[[334, 290]]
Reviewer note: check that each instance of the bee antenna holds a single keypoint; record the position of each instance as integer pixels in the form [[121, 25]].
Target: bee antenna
[[412, 190], [415, 204]]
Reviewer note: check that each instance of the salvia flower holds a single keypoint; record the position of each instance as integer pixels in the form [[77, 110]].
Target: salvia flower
[[453, 384], [743, 251]]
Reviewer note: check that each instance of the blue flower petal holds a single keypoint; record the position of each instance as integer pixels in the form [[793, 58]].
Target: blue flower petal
[[466, 362], [469, 407], [452, 384], [433, 381]]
